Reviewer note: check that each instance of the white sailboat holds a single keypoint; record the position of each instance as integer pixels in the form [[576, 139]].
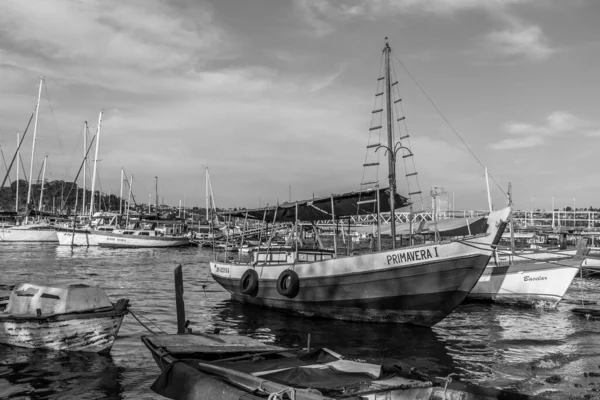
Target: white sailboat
[[31, 231], [82, 236]]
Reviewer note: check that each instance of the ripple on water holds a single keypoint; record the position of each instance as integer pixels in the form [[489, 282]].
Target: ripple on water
[[515, 348]]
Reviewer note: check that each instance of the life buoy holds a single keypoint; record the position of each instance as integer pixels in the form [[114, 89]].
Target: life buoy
[[249, 282], [288, 284]]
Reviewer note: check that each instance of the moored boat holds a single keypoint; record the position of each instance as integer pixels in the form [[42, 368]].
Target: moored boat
[[419, 284], [71, 317], [137, 238], [227, 367], [30, 232], [531, 278]]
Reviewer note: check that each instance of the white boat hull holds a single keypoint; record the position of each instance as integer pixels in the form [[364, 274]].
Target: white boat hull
[[76, 238], [80, 332], [28, 234], [534, 283], [110, 239]]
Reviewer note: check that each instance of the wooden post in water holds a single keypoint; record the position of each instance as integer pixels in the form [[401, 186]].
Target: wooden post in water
[[179, 300]]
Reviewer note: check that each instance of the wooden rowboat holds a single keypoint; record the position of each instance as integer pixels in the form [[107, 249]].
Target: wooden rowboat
[[71, 317]]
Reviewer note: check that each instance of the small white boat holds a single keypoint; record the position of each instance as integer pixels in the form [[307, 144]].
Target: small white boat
[[531, 278], [137, 238], [35, 232], [71, 317]]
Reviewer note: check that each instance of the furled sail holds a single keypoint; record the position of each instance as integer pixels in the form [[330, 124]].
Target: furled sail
[[345, 205]]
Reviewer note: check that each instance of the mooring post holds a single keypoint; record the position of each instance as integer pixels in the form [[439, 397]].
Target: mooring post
[[179, 300]]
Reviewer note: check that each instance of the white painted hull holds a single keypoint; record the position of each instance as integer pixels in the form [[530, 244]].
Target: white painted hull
[[95, 335], [28, 234], [540, 284], [111, 239], [77, 238]]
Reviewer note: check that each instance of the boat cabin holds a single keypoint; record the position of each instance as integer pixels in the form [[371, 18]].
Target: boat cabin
[[290, 257], [47, 299]]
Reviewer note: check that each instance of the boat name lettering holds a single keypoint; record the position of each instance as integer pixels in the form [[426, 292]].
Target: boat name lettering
[[415, 255], [223, 270], [109, 239], [535, 278]]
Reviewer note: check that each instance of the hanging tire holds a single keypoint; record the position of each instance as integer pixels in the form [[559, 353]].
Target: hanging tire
[[288, 284], [249, 282]]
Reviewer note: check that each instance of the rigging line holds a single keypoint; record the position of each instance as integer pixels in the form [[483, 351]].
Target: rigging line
[[371, 132], [5, 166], [448, 122], [414, 165], [53, 118]]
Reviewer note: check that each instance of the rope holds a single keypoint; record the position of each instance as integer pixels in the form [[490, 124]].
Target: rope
[[447, 380], [142, 324], [291, 392]]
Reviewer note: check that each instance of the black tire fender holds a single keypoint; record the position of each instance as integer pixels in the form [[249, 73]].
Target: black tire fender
[[249, 282], [288, 284]]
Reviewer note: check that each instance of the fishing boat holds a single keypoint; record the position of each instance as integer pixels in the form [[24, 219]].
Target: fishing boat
[[227, 367], [71, 317], [419, 284]]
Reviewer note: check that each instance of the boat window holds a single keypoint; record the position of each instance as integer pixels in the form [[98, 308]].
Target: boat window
[[144, 233]]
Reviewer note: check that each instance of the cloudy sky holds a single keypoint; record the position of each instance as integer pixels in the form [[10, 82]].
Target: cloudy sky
[[273, 94]]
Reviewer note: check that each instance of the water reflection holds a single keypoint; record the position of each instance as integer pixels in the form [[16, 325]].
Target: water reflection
[[420, 347], [72, 376]]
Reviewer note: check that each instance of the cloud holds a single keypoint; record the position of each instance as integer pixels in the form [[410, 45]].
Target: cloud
[[323, 15], [526, 135], [520, 41]]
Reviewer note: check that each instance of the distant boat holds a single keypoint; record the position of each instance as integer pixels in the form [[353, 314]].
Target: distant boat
[[534, 278], [71, 317], [39, 232], [137, 238]]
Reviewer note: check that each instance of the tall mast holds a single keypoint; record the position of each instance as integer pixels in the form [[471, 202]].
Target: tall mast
[[129, 201], [37, 111], [43, 179], [156, 194], [84, 163], [391, 154], [121, 195], [95, 165], [18, 159], [207, 192]]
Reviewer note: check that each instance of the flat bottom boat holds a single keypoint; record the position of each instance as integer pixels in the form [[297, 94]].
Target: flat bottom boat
[[232, 367]]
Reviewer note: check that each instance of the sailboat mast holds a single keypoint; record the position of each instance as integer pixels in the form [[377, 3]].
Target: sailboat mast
[[18, 159], [43, 179], [37, 111], [95, 165], [391, 154], [84, 163], [121, 195], [156, 194], [207, 193]]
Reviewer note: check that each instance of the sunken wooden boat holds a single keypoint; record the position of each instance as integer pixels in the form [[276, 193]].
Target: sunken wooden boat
[[231, 367], [71, 317]]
